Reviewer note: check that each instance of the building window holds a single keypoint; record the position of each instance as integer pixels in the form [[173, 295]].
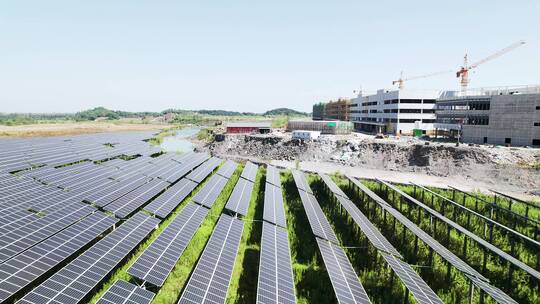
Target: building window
[[410, 111], [537, 124], [507, 140], [407, 120], [429, 100], [428, 111], [428, 120], [410, 101], [536, 142], [485, 140], [538, 107]]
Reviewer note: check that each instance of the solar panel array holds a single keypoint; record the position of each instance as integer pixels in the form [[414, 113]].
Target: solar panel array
[[250, 171], [122, 292], [227, 169], [166, 202], [274, 212], [272, 176], [344, 280], [27, 267], [318, 222], [300, 181], [210, 191], [240, 197], [158, 260], [416, 285], [199, 174], [276, 284], [74, 281], [477, 279], [347, 287], [132, 201], [209, 281], [469, 234]]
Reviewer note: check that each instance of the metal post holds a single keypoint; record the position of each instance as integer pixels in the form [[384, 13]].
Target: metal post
[[406, 298], [471, 291]]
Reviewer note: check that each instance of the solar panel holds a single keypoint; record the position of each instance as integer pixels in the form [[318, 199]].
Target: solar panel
[[276, 284], [466, 232], [209, 281], [158, 260], [164, 204], [446, 254], [347, 287], [20, 239], [300, 181], [73, 282], [130, 202], [418, 288], [105, 196], [272, 176], [240, 197], [331, 185], [250, 171], [484, 218], [274, 211], [199, 174], [416, 285], [318, 222], [227, 169], [210, 191], [23, 269], [122, 292], [370, 231]]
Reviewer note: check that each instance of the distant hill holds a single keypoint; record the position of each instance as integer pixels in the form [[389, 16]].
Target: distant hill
[[284, 112], [101, 112]]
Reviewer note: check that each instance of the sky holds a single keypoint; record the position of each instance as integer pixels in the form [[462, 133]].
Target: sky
[[67, 56]]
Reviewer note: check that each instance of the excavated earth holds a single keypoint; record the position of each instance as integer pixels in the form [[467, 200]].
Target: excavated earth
[[517, 167]]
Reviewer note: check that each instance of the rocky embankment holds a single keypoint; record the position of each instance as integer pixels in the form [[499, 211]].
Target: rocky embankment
[[494, 164]]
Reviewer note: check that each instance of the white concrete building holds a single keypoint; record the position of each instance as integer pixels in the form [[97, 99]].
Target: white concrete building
[[395, 111], [501, 116]]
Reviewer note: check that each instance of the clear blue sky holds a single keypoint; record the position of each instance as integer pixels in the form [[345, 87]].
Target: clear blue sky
[[65, 56]]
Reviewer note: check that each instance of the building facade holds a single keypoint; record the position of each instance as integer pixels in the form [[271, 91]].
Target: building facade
[[502, 116], [395, 111], [333, 110], [248, 127]]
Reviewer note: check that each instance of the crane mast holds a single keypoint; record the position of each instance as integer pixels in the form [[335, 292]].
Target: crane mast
[[463, 72]]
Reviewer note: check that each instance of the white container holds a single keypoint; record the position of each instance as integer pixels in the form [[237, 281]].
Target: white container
[[305, 135]]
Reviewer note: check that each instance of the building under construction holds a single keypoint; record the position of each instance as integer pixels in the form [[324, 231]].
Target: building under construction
[[333, 110], [502, 116]]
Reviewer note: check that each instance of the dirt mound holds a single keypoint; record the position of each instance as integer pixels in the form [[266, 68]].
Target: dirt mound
[[492, 165]]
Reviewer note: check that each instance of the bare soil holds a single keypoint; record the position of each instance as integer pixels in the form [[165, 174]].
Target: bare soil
[[68, 128]]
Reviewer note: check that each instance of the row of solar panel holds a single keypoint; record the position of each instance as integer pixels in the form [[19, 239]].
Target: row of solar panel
[[419, 289], [476, 278], [344, 280]]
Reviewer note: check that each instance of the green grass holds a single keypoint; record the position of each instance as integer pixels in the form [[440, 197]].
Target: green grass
[[172, 287], [310, 277], [244, 279]]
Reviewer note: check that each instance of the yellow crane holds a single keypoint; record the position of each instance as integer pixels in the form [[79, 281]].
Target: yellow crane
[[401, 80]]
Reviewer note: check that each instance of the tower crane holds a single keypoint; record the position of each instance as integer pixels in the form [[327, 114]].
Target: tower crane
[[401, 80], [463, 72]]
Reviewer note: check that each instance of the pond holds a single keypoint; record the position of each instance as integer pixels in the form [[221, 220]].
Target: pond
[[179, 142]]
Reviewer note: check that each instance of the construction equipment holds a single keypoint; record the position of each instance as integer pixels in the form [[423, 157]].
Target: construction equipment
[[401, 80], [464, 70]]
